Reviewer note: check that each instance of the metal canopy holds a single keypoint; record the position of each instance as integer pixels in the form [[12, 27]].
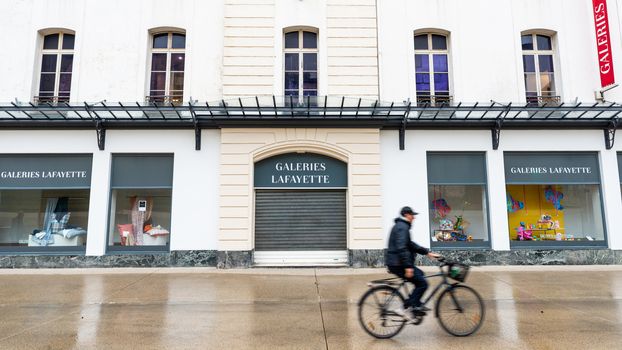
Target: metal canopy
[[311, 111]]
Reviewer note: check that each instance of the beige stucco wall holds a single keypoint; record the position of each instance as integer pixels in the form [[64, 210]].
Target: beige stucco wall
[[241, 148]]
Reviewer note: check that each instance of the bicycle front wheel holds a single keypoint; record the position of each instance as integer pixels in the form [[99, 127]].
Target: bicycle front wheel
[[460, 310], [377, 312]]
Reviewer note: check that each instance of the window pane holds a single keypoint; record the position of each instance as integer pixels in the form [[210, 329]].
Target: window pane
[[422, 63], [309, 40], [309, 61], [555, 213], [547, 82], [179, 41], [529, 64], [291, 81], [440, 63], [310, 93], [421, 42], [423, 81], [546, 63], [458, 213], [66, 63], [50, 42], [291, 61], [160, 41], [441, 82], [177, 81], [530, 83], [291, 40], [309, 81], [439, 42], [65, 82], [544, 42], [291, 93], [134, 228], [47, 82], [177, 62], [68, 41], [158, 62], [527, 42], [48, 63], [158, 81], [28, 225]]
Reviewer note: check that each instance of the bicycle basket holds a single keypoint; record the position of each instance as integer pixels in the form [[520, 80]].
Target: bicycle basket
[[457, 271]]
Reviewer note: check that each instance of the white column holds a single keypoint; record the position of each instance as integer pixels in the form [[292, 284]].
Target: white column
[[98, 203], [497, 207], [612, 198]]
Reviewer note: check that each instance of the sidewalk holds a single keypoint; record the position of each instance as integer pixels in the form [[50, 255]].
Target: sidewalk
[[528, 307]]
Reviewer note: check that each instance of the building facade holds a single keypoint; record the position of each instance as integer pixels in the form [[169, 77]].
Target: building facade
[[267, 133]]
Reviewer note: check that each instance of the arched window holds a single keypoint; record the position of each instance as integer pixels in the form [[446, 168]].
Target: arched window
[[56, 68], [539, 70], [432, 69], [300, 57], [168, 57]]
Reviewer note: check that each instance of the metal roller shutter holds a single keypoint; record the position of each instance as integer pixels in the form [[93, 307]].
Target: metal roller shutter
[[300, 220]]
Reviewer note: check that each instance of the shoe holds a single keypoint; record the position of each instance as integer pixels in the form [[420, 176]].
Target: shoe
[[407, 313]]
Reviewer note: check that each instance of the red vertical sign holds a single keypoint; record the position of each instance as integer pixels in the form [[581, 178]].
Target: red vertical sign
[[603, 42]]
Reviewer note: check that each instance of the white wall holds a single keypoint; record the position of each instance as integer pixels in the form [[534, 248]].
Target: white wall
[[194, 221], [112, 46], [485, 48], [404, 173]]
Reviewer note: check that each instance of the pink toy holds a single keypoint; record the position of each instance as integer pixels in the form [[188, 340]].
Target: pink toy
[[523, 234]]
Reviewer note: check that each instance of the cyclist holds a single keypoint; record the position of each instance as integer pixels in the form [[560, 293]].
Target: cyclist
[[400, 261]]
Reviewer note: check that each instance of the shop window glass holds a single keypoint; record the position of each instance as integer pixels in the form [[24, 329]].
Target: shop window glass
[[44, 202], [458, 200], [554, 199], [140, 202]]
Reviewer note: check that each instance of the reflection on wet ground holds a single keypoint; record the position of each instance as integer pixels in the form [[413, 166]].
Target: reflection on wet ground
[[536, 308]]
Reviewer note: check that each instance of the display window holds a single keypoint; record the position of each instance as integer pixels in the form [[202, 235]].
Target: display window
[[458, 200], [554, 199], [140, 202], [44, 202]]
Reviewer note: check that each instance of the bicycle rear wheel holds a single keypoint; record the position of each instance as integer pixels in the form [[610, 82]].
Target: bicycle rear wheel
[[376, 312], [460, 310]]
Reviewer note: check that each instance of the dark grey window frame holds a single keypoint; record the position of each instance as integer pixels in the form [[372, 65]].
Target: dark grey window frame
[[562, 245], [462, 245], [48, 251], [133, 250]]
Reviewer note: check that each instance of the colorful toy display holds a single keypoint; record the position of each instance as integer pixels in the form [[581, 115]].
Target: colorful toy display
[[554, 197], [514, 205], [441, 208], [524, 234]]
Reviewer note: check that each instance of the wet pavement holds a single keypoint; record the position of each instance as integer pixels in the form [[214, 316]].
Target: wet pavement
[[526, 308]]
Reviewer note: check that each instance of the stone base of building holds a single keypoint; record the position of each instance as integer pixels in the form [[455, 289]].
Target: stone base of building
[[359, 258]]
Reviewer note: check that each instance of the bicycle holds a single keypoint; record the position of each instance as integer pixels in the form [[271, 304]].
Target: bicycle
[[459, 308]]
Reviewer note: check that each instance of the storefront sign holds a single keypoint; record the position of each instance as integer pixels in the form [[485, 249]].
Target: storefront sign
[[603, 42], [551, 168], [301, 170], [45, 171]]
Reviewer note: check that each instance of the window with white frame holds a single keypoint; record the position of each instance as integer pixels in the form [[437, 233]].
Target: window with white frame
[[432, 69], [300, 57], [56, 68], [168, 57], [538, 68]]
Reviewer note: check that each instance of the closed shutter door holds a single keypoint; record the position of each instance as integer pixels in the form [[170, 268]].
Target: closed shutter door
[[300, 220]]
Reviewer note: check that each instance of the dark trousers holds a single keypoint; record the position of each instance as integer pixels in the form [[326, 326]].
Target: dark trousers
[[421, 285]]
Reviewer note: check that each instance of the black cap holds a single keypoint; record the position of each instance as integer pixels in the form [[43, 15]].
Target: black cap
[[408, 210]]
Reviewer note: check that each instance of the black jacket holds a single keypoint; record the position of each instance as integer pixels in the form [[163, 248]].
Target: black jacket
[[402, 250]]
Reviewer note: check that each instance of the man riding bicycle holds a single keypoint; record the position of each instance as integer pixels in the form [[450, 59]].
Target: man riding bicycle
[[400, 261]]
